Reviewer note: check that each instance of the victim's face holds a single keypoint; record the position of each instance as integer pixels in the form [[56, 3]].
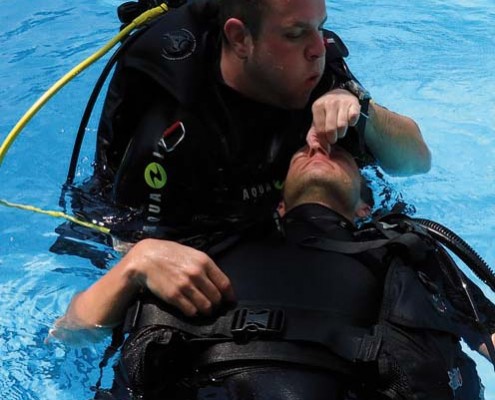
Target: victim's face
[[287, 59], [332, 177]]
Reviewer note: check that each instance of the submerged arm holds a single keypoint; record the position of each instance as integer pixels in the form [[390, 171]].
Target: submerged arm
[[180, 275]]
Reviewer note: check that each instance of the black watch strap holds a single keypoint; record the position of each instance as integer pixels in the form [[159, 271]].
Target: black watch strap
[[364, 98]]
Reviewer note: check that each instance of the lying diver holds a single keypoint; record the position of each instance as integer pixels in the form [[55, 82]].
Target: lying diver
[[322, 311]]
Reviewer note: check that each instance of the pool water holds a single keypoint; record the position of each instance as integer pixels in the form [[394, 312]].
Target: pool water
[[429, 59]]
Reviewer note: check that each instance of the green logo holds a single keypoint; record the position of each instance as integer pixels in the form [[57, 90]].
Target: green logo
[[279, 185], [155, 176]]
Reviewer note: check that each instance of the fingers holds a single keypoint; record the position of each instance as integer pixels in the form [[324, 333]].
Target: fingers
[[188, 294], [200, 289], [184, 304], [182, 276], [333, 113], [315, 141], [222, 283], [319, 119], [354, 114]]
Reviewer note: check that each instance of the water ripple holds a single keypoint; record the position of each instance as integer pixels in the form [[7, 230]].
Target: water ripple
[[41, 18]]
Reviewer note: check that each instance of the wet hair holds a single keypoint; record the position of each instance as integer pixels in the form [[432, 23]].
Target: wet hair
[[250, 12]]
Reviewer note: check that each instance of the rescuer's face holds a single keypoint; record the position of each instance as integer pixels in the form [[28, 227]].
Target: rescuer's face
[[287, 59]]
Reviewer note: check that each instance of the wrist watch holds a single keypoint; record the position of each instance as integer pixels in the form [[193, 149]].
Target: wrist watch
[[356, 89], [364, 98]]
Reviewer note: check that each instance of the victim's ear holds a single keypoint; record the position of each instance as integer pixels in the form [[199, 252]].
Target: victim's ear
[[363, 210], [281, 208]]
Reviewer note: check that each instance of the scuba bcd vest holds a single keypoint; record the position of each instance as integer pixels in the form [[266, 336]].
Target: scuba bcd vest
[[165, 73], [414, 341]]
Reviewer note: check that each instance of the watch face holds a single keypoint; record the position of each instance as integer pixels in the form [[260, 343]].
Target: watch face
[[357, 89]]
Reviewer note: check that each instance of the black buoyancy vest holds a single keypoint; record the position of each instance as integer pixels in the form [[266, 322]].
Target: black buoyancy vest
[[173, 53], [212, 180], [302, 286], [169, 54], [420, 355], [411, 336]]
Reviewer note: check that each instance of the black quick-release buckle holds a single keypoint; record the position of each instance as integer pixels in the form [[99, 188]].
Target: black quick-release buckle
[[249, 323], [370, 345]]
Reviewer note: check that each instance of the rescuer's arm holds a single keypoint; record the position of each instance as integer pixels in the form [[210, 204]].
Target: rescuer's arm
[[394, 140], [179, 275]]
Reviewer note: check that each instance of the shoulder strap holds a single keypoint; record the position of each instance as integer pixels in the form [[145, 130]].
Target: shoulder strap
[[110, 351], [416, 247]]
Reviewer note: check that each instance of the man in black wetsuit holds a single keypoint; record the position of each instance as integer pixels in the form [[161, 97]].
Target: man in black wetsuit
[[317, 323], [206, 108]]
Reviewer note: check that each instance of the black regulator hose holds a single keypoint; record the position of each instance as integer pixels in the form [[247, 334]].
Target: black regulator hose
[[473, 260], [461, 249], [91, 103]]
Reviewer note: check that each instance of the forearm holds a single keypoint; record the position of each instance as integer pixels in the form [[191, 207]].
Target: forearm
[[396, 142], [106, 301], [179, 275]]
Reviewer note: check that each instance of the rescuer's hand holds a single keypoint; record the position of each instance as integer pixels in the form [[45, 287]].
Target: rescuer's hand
[[180, 275], [333, 113]]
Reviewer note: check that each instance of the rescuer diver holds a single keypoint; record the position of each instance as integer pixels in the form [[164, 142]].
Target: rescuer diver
[[323, 310], [208, 104]]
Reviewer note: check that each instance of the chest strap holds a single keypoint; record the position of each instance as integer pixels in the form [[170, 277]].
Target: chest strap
[[254, 322]]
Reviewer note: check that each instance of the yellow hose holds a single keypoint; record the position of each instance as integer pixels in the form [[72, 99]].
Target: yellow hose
[[136, 23], [55, 214], [14, 133]]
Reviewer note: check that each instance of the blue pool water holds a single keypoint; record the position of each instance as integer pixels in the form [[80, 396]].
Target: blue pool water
[[430, 59]]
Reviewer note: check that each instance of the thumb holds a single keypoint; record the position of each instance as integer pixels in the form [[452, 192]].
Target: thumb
[[354, 115], [312, 137]]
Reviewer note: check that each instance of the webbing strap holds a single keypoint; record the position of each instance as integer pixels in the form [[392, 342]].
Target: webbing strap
[[409, 240], [361, 125], [255, 322], [281, 351], [338, 246]]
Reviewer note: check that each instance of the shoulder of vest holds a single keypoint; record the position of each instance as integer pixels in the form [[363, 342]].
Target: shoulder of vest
[[336, 52], [172, 50], [334, 45]]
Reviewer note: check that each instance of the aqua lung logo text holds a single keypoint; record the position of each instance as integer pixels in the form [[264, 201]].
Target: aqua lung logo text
[[257, 191], [156, 178]]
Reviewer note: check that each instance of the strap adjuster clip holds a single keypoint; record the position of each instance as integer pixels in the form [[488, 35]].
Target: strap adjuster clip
[[248, 323], [172, 136], [370, 345]]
